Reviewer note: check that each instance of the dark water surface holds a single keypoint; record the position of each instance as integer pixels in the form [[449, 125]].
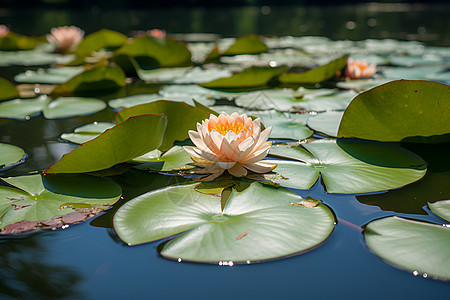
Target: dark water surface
[[88, 261]]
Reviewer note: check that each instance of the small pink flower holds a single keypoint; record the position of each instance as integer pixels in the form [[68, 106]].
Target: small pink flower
[[234, 143], [65, 38], [3, 31], [359, 69], [158, 33]]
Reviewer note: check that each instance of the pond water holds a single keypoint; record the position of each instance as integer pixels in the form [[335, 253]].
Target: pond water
[[89, 261]]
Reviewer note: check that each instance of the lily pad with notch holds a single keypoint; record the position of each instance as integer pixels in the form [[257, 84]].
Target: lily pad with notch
[[257, 224]]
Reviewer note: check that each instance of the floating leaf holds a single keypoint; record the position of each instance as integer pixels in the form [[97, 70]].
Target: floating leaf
[[64, 107], [251, 77], [418, 247], [125, 141], [133, 100], [361, 84], [14, 41], [10, 154], [249, 44], [49, 76], [198, 93], [23, 108], [97, 79], [416, 73], [176, 158], [102, 39], [7, 90], [335, 101], [349, 166], [257, 224], [199, 75], [326, 122], [441, 208], [162, 75], [156, 52], [316, 75], [31, 58], [87, 132], [285, 126], [279, 99], [404, 110], [46, 200], [181, 118]]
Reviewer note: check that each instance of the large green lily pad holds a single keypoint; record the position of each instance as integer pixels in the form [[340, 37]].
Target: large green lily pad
[[256, 224], [10, 154], [181, 118], [415, 246], [404, 110], [34, 202], [102, 39], [129, 139], [249, 44], [23, 108], [326, 122], [64, 107], [348, 166]]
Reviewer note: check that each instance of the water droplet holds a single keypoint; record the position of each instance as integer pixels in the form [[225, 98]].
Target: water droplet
[[415, 273], [179, 259], [27, 117], [248, 262], [220, 263], [273, 63], [230, 263], [37, 90], [425, 275], [350, 25], [65, 226]]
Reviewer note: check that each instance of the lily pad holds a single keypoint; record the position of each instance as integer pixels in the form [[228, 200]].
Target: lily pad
[[404, 110], [102, 39], [129, 139], [199, 75], [257, 224], [133, 100], [251, 77], [249, 44], [415, 246], [23, 108], [46, 200], [316, 75], [49, 76], [7, 90], [162, 75], [64, 107], [326, 122], [98, 79], [10, 154], [285, 126], [349, 166], [415, 73], [441, 208], [181, 118], [156, 52], [176, 158], [31, 58], [335, 101], [198, 93], [279, 99], [87, 132]]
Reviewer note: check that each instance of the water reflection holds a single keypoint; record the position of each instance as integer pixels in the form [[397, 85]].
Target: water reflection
[[425, 22], [25, 274]]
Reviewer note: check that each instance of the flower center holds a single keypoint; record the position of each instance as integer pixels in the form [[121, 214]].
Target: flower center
[[223, 129]]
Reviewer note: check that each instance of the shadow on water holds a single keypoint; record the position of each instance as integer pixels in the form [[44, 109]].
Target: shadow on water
[[26, 275], [433, 187]]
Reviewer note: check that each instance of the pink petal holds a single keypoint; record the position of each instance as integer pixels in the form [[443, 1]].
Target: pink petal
[[207, 155], [258, 155], [197, 140], [263, 138]]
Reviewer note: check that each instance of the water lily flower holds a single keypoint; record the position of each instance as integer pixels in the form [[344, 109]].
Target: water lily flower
[[230, 142], [65, 38], [158, 33], [4, 30], [359, 69]]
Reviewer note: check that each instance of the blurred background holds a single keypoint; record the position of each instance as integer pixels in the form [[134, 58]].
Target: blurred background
[[425, 21]]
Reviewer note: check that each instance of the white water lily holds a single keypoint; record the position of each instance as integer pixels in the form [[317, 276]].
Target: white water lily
[[65, 38], [230, 142]]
